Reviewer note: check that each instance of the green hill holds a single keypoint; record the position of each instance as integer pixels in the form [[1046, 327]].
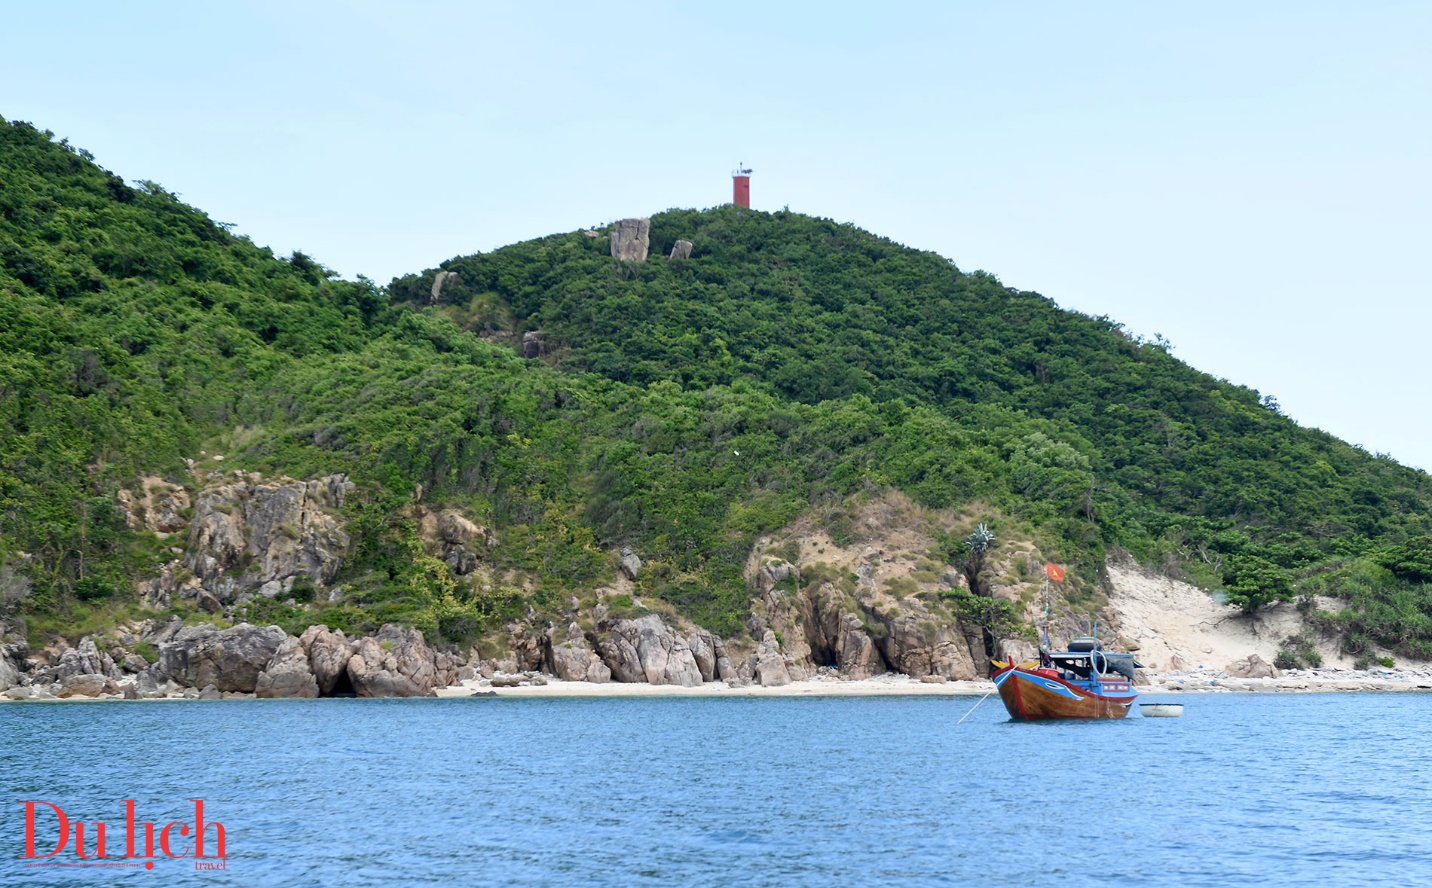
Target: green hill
[[684, 407]]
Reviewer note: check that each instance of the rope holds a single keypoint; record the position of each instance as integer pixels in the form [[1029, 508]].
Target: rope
[[973, 708]]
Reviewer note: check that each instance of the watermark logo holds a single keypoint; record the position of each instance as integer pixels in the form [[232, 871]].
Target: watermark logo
[[49, 831]]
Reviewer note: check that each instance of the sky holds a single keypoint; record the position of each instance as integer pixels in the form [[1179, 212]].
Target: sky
[[1252, 181]]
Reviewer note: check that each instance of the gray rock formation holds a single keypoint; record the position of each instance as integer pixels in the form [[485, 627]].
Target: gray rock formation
[[440, 280], [770, 667], [726, 669], [629, 564], [230, 659], [534, 344], [646, 649], [250, 533], [86, 685], [86, 659], [328, 656], [397, 663], [1253, 667], [631, 239], [862, 633], [572, 660], [703, 651], [681, 250], [12, 655], [455, 539], [160, 509], [288, 673]]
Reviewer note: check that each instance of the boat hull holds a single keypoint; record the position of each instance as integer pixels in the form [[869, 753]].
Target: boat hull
[[1032, 696]]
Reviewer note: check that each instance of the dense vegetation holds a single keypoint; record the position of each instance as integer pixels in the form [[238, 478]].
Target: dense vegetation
[[683, 407]]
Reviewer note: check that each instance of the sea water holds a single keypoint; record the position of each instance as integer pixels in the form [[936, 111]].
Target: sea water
[[1274, 790]]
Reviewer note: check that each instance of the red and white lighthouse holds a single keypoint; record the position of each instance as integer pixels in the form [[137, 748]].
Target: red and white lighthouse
[[741, 186]]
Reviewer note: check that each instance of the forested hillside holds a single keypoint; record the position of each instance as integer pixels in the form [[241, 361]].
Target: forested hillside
[[681, 407]]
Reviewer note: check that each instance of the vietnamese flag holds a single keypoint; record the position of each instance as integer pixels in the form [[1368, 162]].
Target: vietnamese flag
[[1055, 572]]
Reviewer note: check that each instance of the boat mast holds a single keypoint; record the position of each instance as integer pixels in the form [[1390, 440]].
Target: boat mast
[[1044, 658]]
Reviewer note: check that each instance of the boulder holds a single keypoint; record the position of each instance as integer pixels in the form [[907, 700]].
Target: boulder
[[629, 563], [328, 656], [725, 665], [85, 659], [534, 343], [84, 685], [288, 673], [855, 652], [681, 250], [210, 692], [230, 659], [572, 660], [1253, 667], [397, 663], [646, 649], [9, 667], [618, 652], [770, 667], [631, 239], [703, 650]]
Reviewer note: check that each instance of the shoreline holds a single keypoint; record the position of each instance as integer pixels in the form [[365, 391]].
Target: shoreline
[[1164, 684], [1180, 683]]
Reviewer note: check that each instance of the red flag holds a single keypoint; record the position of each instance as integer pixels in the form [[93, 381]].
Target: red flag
[[1054, 571]]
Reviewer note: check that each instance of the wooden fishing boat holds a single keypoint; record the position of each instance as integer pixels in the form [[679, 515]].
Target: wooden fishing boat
[[1082, 682]]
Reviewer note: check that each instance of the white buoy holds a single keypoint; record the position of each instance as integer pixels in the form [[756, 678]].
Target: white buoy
[[1161, 710]]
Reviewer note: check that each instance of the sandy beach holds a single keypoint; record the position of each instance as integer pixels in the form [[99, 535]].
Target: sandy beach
[[1159, 684]]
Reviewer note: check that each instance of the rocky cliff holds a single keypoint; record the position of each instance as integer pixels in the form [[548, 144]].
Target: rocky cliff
[[883, 602]]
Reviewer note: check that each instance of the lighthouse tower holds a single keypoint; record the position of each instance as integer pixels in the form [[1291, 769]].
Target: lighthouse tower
[[741, 186]]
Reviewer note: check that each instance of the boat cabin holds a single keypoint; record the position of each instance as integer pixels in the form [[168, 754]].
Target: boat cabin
[[1087, 661]]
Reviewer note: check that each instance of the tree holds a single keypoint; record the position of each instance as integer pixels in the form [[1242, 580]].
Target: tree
[[1252, 582]]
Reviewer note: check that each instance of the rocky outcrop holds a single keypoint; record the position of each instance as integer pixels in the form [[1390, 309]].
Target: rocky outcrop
[[251, 534], [12, 658], [288, 673], [629, 564], [852, 651], [86, 685], [458, 541], [160, 508], [85, 659], [174, 580], [440, 280], [571, 659], [647, 650], [703, 651], [1253, 667], [916, 642], [859, 630], [631, 239], [534, 344], [398, 663], [681, 250], [770, 666], [328, 656], [230, 659]]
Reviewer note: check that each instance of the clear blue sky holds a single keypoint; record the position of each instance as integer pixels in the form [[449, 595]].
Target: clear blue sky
[[1251, 180]]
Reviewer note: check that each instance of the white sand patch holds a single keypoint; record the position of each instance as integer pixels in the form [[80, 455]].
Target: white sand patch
[[880, 685], [1180, 626]]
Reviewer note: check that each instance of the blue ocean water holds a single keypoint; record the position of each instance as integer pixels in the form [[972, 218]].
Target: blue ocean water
[[1268, 789]]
